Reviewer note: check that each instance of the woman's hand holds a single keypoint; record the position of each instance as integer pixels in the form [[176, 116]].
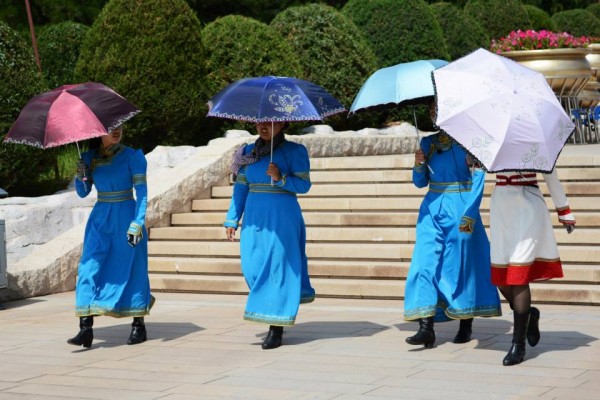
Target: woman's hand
[[419, 157], [230, 233], [273, 172]]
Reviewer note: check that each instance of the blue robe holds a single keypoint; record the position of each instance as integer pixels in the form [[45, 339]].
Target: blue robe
[[113, 276], [448, 278], [273, 235]]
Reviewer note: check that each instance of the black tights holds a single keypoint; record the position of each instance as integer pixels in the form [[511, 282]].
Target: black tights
[[519, 297]]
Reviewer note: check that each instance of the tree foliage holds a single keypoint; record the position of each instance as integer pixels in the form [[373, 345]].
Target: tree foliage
[[59, 46], [151, 52], [577, 22], [398, 30], [499, 17], [461, 32], [19, 81], [332, 51]]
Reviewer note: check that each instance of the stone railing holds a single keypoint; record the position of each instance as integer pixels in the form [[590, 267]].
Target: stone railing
[[52, 266]]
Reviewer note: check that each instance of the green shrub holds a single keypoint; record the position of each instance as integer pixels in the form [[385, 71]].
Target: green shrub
[[150, 51], [462, 33], [238, 47], [540, 20], [577, 22], [499, 17], [399, 30], [332, 51], [594, 9], [20, 80], [59, 50]]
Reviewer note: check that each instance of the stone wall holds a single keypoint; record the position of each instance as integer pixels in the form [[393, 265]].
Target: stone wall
[[175, 177]]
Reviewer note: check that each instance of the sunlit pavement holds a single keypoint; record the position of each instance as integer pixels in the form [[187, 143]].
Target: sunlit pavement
[[199, 347]]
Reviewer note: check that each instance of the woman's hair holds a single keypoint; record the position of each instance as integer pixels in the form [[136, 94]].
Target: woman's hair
[[94, 143]]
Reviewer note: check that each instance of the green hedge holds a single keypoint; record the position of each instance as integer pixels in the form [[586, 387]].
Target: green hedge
[[20, 165], [540, 20], [594, 9], [499, 17], [332, 51], [151, 52], [399, 30], [238, 47], [577, 22], [59, 46], [462, 33]]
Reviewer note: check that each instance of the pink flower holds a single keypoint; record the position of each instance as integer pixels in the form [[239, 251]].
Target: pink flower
[[532, 40]]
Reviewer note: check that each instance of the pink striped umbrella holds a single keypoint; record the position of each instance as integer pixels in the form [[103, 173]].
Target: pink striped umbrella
[[70, 113]]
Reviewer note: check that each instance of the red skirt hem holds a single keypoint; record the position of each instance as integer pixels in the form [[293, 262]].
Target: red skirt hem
[[509, 275]]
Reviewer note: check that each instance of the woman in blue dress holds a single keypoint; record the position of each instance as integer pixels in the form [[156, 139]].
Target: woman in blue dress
[[447, 278], [113, 270], [273, 234]]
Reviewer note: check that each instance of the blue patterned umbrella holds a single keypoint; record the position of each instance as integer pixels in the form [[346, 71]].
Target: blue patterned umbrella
[[273, 98]]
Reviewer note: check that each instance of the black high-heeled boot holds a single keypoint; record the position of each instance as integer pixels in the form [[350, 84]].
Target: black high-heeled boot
[[516, 354], [533, 329], [274, 337], [138, 331], [465, 330], [425, 335], [85, 335]]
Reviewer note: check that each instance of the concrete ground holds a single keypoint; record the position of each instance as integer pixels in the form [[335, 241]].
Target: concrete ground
[[200, 348]]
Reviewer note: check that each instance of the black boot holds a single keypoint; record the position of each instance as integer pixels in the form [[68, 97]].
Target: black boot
[[273, 339], [86, 334], [425, 335], [465, 330], [533, 329], [516, 354], [138, 331]]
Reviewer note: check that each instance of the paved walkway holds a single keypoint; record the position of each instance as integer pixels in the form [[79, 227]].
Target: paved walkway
[[200, 348]]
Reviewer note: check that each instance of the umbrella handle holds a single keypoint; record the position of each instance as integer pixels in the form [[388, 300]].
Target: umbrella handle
[[84, 180], [272, 127]]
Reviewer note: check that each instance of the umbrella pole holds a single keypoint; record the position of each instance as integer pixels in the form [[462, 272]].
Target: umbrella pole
[[416, 128], [272, 127]]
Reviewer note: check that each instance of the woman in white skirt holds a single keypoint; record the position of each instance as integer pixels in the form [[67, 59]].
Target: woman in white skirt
[[523, 247]]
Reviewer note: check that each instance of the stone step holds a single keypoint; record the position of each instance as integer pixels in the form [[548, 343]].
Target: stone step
[[340, 251], [350, 234], [406, 161], [354, 288], [404, 189], [383, 203], [370, 269], [356, 251], [407, 218], [405, 176], [335, 269]]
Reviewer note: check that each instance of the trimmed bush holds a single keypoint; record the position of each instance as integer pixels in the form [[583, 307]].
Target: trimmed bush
[[594, 9], [399, 30], [499, 17], [332, 51], [540, 20], [20, 165], [238, 47], [59, 50], [577, 22], [461, 32], [150, 51]]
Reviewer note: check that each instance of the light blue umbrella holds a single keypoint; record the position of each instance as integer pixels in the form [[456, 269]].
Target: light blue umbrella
[[397, 86]]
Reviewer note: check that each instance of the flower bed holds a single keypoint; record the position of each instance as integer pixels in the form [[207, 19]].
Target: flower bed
[[532, 40]]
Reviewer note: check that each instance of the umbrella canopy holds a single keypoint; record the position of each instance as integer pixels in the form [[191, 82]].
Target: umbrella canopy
[[396, 86], [70, 113], [504, 114], [273, 98]]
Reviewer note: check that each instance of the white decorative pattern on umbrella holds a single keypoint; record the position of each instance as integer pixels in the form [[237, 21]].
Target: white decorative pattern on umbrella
[[503, 113]]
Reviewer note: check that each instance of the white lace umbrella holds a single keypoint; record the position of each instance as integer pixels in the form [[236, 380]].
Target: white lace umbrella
[[504, 114]]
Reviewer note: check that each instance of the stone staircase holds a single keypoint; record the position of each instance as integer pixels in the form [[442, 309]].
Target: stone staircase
[[360, 215]]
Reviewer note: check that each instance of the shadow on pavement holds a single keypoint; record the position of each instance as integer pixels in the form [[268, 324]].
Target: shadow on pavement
[[310, 331], [117, 335]]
